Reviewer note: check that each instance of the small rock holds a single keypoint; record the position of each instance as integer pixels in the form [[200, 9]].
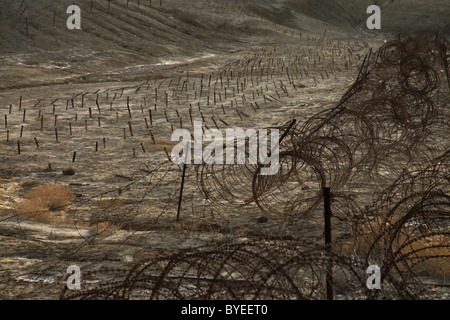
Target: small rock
[[262, 219], [69, 172]]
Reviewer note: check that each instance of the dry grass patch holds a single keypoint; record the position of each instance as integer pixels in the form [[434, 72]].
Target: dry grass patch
[[42, 202], [416, 248], [53, 196], [427, 255], [109, 204]]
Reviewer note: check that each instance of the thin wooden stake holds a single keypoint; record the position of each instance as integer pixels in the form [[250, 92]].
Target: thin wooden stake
[[131, 129], [167, 154]]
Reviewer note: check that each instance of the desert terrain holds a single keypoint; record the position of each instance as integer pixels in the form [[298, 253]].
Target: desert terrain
[[86, 176]]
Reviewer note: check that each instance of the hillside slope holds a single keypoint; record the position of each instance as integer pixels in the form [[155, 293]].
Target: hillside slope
[[349, 16], [188, 26], [128, 36]]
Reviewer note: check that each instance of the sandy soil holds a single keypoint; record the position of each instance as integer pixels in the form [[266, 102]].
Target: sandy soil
[[111, 100]]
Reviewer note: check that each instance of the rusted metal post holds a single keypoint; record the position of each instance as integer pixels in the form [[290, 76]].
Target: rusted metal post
[[327, 228]]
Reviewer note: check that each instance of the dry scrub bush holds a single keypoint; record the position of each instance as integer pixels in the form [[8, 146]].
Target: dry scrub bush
[[427, 255], [415, 249], [54, 196], [41, 200]]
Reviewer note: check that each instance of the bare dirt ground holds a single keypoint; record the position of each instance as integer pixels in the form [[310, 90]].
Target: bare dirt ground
[[104, 102]]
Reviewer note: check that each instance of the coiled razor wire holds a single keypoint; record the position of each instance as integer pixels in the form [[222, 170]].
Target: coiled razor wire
[[383, 151]]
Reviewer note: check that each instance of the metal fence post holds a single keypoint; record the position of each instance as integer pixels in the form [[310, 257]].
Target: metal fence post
[[327, 217]]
